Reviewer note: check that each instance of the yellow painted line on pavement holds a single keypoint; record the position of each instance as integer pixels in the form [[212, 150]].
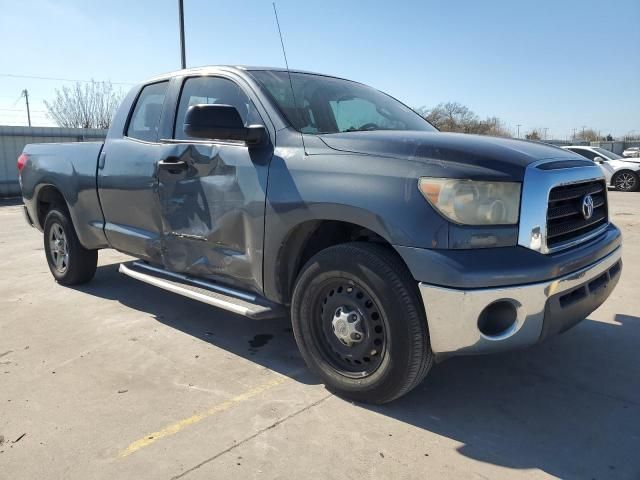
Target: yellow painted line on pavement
[[215, 409]]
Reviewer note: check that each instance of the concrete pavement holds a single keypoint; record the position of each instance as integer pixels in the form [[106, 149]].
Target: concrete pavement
[[117, 379]]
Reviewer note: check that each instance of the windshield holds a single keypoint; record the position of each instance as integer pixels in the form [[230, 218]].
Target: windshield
[[608, 154], [331, 105]]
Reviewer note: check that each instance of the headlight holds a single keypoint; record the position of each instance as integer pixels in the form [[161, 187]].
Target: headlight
[[469, 202]]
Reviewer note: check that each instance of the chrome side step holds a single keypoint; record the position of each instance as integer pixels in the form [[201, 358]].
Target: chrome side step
[[238, 302]]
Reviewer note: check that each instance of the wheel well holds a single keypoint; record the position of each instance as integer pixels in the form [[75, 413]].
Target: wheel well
[[308, 239], [47, 198], [625, 170]]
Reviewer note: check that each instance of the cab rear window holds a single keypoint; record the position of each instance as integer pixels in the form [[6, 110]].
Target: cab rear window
[[145, 119]]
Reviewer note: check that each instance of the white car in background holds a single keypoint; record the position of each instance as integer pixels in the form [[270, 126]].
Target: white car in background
[[632, 152], [620, 173]]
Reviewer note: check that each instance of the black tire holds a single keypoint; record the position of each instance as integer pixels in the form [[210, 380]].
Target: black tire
[[390, 316], [625, 181], [70, 263]]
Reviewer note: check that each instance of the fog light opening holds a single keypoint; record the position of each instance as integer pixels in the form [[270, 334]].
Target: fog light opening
[[497, 318]]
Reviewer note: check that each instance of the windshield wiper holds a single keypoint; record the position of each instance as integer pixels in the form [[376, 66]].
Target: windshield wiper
[[354, 129]]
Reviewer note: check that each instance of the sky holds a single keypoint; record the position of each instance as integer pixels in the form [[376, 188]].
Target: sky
[[555, 64]]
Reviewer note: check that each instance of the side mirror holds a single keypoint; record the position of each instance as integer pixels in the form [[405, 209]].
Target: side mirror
[[598, 159], [221, 122]]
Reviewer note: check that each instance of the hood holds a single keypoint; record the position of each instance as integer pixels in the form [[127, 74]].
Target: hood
[[620, 164], [480, 156], [633, 160]]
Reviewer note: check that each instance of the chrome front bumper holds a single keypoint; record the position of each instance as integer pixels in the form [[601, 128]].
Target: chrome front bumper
[[453, 314]]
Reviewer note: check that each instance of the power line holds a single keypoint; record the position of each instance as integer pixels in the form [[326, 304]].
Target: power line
[[19, 110], [17, 100], [39, 116], [34, 77], [23, 115]]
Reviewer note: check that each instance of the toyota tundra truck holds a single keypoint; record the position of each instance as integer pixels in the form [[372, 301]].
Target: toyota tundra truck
[[391, 245]]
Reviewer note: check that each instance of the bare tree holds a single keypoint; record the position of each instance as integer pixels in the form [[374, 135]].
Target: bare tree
[[494, 127], [631, 136], [91, 105], [534, 134], [588, 135], [450, 117], [455, 117]]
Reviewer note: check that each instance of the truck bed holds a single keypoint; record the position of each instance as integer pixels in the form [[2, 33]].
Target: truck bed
[[72, 168]]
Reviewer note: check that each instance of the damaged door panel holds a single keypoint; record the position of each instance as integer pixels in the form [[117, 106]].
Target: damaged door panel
[[213, 212], [212, 192]]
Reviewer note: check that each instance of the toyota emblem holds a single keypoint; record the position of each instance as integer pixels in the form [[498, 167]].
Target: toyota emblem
[[587, 207]]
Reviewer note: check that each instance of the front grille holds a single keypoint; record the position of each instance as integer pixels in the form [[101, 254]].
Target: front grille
[[565, 219]]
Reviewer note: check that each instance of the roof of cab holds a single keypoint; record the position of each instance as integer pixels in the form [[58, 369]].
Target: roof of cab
[[213, 68]]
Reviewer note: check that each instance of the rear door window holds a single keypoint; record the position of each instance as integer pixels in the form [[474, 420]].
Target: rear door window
[[145, 119]]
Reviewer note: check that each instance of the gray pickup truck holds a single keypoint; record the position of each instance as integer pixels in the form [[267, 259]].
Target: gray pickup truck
[[390, 245]]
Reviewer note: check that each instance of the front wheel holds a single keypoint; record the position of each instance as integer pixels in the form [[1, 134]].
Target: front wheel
[[359, 323], [625, 181], [70, 263]]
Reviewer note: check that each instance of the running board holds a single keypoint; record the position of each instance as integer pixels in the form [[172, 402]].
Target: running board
[[235, 301]]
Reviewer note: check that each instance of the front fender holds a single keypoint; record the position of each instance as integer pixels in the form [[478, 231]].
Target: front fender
[[379, 194]]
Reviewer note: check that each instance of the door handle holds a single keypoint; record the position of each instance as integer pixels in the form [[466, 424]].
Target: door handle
[[173, 166]]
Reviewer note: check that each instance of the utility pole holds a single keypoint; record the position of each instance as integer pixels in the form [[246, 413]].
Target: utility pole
[[26, 98], [519, 125], [545, 132], [574, 134], [583, 127], [182, 55]]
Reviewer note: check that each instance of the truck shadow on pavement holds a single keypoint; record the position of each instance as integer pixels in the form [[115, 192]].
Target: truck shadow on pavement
[[569, 407], [269, 343]]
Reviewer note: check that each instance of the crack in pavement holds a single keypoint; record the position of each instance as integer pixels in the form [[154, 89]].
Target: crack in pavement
[[251, 437]]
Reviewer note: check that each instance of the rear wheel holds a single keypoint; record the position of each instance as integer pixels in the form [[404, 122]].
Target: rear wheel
[[70, 263], [626, 181], [359, 323]]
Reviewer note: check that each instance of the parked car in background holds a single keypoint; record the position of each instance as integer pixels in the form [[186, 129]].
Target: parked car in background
[[620, 173], [632, 152]]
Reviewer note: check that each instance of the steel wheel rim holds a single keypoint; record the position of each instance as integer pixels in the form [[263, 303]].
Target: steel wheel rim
[[58, 247], [625, 181], [364, 357]]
